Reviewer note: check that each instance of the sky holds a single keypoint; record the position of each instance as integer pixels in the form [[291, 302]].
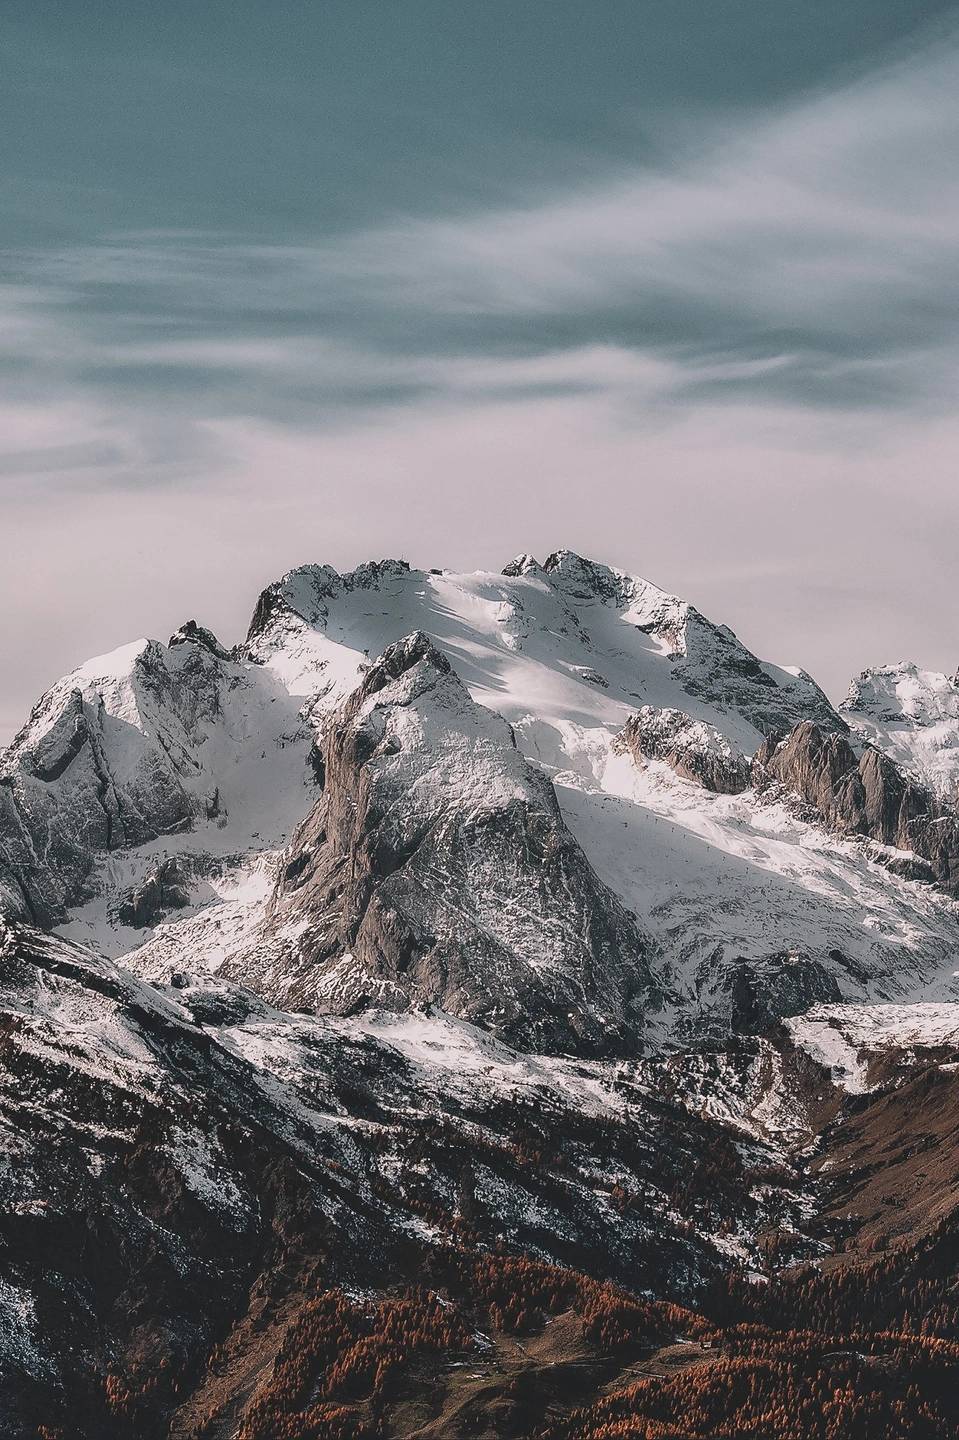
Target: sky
[[673, 284]]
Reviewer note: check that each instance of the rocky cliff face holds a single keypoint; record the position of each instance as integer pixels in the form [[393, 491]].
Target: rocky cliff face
[[82, 778], [132, 749], [436, 870], [695, 750], [912, 715], [865, 793], [186, 1169]]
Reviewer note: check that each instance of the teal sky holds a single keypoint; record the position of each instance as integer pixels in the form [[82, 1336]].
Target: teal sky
[[672, 283]]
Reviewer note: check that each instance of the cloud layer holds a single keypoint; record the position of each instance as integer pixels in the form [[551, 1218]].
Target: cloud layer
[[734, 370]]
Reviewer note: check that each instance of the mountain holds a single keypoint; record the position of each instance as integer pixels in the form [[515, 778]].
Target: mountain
[[185, 1161], [196, 1178], [134, 748], [548, 633], [865, 792], [463, 958], [574, 656], [912, 715], [437, 869]]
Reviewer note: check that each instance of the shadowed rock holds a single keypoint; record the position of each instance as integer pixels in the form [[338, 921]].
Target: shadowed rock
[[695, 750], [437, 870], [864, 794]]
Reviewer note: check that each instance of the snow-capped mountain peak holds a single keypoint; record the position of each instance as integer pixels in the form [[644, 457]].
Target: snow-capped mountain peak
[[436, 869], [147, 804], [524, 908], [913, 715], [135, 751]]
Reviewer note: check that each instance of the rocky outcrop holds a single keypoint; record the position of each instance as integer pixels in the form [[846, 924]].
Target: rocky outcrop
[[911, 715], [864, 793], [437, 870], [695, 750], [764, 992], [304, 594], [148, 741], [191, 633], [903, 694], [62, 801], [166, 888]]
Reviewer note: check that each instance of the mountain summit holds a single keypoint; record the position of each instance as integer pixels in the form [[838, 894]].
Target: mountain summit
[[468, 988], [524, 796]]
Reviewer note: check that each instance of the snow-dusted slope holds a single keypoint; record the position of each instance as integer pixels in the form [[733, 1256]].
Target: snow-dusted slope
[[913, 715], [568, 643], [757, 910], [167, 777], [437, 869], [178, 1159], [151, 752], [849, 1040]]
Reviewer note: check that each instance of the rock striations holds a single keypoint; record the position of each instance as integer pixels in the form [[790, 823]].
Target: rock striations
[[451, 935], [866, 794], [541, 813], [436, 870]]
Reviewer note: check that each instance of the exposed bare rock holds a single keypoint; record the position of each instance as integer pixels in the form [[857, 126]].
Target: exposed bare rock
[[905, 863], [437, 870], [74, 786], [149, 741], [166, 888], [864, 793], [191, 633], [695, 750], [912, 715], [765, 992], [822, 768]]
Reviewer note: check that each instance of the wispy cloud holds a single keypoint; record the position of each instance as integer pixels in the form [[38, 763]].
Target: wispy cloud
[[655, 352], [811, 260]]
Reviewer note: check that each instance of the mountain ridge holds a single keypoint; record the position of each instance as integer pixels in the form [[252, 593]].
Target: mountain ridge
[[211, 759], [461, 998]]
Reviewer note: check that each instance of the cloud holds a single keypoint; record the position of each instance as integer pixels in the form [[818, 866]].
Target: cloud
[[809, 259], [737, 373], [816, 552], [829, 234]]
